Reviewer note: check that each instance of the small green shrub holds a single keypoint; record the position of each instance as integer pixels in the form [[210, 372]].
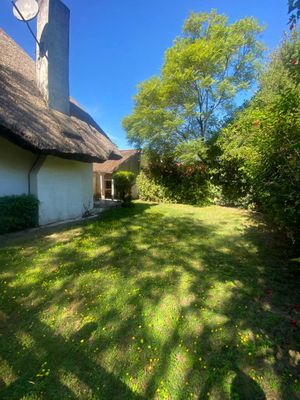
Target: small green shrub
[[18, 212], [124, 181]]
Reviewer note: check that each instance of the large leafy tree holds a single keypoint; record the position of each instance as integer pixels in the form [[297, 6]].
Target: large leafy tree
[[203, 72]]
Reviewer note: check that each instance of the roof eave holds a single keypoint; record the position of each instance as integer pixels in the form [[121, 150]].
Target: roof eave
[[12, 137]]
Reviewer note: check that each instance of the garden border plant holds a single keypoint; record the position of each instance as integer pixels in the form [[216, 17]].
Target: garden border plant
[[124, 181], [18, 212]]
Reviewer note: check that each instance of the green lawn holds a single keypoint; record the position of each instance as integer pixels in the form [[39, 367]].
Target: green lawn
[[150, 302]]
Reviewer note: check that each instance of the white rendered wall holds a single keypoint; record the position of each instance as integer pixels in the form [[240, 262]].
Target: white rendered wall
[[63, 188], [15, 164]]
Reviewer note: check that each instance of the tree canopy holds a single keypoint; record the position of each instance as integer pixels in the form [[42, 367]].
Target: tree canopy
[[203, 72]]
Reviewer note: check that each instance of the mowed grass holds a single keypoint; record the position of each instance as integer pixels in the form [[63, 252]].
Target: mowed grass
[[151, 302]]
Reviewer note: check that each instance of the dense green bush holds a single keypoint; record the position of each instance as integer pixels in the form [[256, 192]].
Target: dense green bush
[[179, 185], [18, 212], [151, 189], [264, 141], [124, 180]]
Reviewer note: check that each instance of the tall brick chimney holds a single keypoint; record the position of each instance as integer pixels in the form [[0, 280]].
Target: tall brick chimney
[[52, 60]]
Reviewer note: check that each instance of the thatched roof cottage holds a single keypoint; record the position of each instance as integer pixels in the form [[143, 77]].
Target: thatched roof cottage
[[48, 143]]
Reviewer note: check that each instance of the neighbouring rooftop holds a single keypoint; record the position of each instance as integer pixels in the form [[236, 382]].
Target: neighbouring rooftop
[[111, 166]]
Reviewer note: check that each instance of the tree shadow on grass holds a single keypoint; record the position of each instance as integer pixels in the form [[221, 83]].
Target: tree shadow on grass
[[61, 354], [243, 387], [177, 265]]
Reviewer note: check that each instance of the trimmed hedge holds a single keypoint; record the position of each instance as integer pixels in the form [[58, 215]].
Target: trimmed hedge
[[18, 212]]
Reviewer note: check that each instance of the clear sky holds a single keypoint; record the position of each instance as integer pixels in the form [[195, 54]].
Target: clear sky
[[115, 44]]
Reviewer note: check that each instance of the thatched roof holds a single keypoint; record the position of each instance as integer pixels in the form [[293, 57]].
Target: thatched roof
[[110, 166], [26, 120]]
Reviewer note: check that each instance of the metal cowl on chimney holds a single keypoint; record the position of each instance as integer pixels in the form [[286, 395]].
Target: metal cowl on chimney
[[52, 60]]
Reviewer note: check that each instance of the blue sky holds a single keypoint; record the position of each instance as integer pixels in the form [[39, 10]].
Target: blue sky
[[115, 44]]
